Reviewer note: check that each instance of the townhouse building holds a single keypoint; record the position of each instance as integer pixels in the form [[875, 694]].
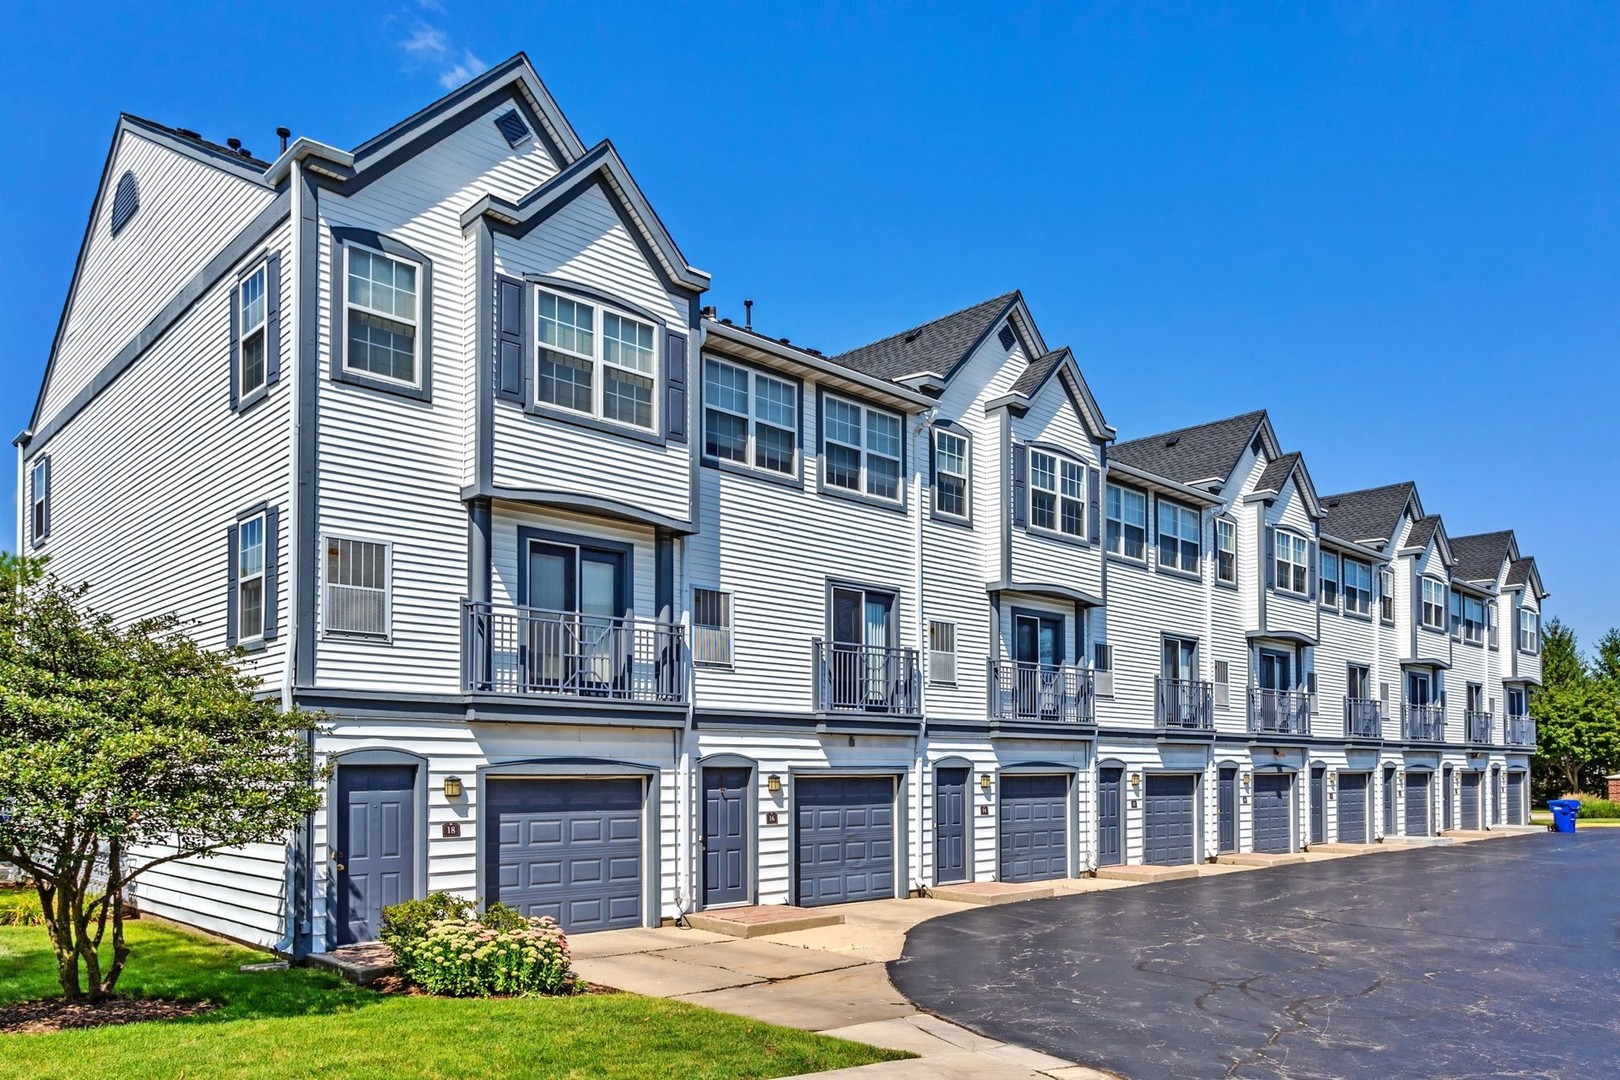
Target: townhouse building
[[615, 609]]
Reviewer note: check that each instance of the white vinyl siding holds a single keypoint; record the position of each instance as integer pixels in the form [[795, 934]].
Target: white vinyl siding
[[1127, 522], [750, 418], [608, 371], [861, 448], [382, 317], [357, 587], [711, 627]]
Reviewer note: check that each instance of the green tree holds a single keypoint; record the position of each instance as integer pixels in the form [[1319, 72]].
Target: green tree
[[123, 748], [1577, 712], [1608, 657]]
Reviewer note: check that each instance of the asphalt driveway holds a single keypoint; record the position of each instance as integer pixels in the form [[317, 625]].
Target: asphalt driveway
[[1496, 958]]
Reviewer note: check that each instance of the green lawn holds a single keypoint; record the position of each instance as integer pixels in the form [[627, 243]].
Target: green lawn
[[308, 1023]]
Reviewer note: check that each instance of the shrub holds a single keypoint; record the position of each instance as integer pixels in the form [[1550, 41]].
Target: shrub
[[409, 922], [20, 907], [1594, 807], [439, 946]]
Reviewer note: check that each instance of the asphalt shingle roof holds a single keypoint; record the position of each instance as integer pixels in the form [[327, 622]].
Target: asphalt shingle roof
[[1201, 452], [1519, 571], [1479, 557], [1369, 514], [933, 346], [192, 136], [1037, 372], [1277, 472], [1423, 531]]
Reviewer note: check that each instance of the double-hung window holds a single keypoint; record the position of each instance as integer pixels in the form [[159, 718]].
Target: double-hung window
[[252, 314], [1432, 610], [383, 317], [1358, 590], [250, 598], [1330, 579], [1127, 522], [750, 418], [861, 449], [711, 627], [1473, 620], [1293, 554], [950, 474], [1057, 494], [595, 361], [1529, 631], [357, 587], [1386, 595], [1178, 537], [39, 500], [1225, 551]]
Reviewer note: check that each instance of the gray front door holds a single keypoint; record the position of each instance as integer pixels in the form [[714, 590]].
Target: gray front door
[[1226, 811], [570, 849], [1470, 801], [1034, 829], [1496, 795], [1445, 798], [1417, 804], [725, 835], [1353, 808], [950, 825], [1389, 802], [1318, 805], [845, 839], [375, 858], [1109, 838], [1273, 812], [1515, 798], [1170, 828]]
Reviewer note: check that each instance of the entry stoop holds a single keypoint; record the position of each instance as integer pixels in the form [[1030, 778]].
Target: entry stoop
[[992, 892], [762, 920], [362, 964], [1260, 858], [1346, 849], [1146, 873]]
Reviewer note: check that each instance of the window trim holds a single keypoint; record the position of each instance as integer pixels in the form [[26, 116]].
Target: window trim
[[343, 239], [955, 653], [1279, 533], [1147, 503], [955, 431], [1444, 605], [1344, 588], [747, 468], [730, 601], [898, 503], [601, 306], [1231, 527], [1159, 502], [39, 506], [1323, 581], [1478, 638], [1060, 457], [1535, 631], [1386, 593], [246, 396], [328, 633]]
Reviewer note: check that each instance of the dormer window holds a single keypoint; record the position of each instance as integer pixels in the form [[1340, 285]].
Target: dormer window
[[1432, 607]]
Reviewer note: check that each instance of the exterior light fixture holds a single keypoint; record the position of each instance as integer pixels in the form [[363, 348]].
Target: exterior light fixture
[[452, 787], [1246, 779], [773, 784], [1136, 779], [984, 782]]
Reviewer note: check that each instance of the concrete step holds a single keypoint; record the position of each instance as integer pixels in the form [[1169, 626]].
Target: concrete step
[[1346, 849], [1146, 873], [1416, 841], [362, 964], [762, 920], [1260, 858], [992, 892]]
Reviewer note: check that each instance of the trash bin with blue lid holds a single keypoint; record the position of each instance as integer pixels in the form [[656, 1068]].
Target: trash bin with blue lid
[[1564, 812]]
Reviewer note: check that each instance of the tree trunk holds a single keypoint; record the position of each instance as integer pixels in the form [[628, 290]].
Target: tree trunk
[[115, 897], [59, 927]]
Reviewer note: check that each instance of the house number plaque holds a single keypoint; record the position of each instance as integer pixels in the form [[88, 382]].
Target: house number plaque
[[452, 828]]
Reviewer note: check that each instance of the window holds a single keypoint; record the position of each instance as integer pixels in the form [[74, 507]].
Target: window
[[1358, 684], [382, 317], [607, 370], [1432, 610], [357, 588], [1223, 671], [750, 418], [1386, 595], [251, 315], [1293, 563], [1225, 551], [1057, 494], [861, 448], [1516, 701], [1178, 537], [1358, 589], [711, 627], [941, 653], [1330, 579], [250, 598], [1473, 620], [1127, 522], [1529, 631], [950, 474], [39, 500]]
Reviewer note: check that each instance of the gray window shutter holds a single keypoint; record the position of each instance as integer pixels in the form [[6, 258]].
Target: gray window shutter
[[1094, 483], [509, 350], [272, 320], [1312, 578], [50, 495], [272, 549], [1020, 483], [230, 579], [236, 345], [1271, 558], [675, 387]]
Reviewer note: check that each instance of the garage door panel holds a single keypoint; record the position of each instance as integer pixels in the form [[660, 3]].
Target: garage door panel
[[845, 842], [1273, 813], [1417, 804], [1470, 800], [1033, 842], [1515, 798], [1169, 821], [1353, 808]]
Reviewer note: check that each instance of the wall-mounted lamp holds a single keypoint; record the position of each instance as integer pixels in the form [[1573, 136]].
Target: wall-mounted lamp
[[773, 784], [452, 787], [984, 782], [1246, 779], [1136, 779]]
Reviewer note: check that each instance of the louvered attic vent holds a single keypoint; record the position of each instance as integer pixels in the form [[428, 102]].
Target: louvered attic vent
[[1008, 337], [513, 128], [126, 200]]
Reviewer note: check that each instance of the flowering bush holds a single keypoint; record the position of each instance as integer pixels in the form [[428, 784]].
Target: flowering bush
[[501, 953]]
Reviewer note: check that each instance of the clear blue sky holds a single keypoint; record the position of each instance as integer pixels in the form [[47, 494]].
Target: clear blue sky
[[1396, 226]]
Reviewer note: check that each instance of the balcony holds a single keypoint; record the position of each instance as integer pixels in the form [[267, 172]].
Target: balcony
[[1049, 693], [1478, 726], [1279, 712], [1363, 719], [1521, 731], [567, 655], [866, 679], [1184, 705], [1423, 723]]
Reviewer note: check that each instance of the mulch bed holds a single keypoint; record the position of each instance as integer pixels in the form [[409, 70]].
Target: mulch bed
[[54, 1014]]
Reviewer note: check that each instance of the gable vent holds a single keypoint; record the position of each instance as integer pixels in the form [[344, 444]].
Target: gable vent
[[513, 128], [1258, 446], [126, 200], [1007, 337]]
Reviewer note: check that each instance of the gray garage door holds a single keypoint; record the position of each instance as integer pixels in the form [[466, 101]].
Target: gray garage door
[[845, 840], [1034, 840], [1169, 824], [1353, 808], [1515, 798], [570, 849], [1273, 812], [1470, 800], [1417, 804]]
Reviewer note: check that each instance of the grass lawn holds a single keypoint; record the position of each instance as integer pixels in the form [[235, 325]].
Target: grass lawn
[[308, 1023]]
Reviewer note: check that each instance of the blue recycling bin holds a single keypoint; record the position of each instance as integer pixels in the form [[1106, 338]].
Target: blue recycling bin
[[1564, 812]]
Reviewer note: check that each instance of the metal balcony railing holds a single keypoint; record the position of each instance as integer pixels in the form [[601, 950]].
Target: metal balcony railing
[[1423, 723], [564, 654], [1184, 705], [1478, 726], [1279, 712], [866, 678], [1363, 719], [1056, 692], [1521, 731]]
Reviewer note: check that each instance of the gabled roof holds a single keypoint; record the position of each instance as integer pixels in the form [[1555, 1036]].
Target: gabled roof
[[1480, 557], [1290, 466], [1036, 374], [1193, 455], [1430, 529], [1061, 364], [938, 346], [1525, 572], [1368, 515]]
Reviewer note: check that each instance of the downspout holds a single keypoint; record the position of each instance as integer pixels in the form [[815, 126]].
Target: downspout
[[303, 900], [20, 442], [925, 425]]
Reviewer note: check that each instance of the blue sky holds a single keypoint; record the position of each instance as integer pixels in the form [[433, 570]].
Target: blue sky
[[1396, 226]]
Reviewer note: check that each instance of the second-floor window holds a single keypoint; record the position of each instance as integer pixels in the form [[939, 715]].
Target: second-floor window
[[1432, 605], [250, 598], [596, 361], [1057, 494], [383, 317], [1472, 625], [861, 448], [1127, 522], [1330, 579], [1529, 631], [1358, 587], [39, 500], [950, 474], [251, 317], [1516, 702], [1293, 554], [1386, 595], [750, 418], [1178, 537], [357, 582], [1225, 551], [1358, 683]]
